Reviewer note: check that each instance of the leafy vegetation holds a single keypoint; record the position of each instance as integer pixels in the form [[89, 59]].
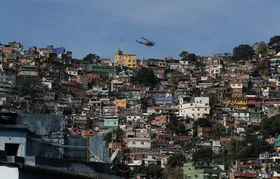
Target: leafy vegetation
[[145, 77], [192, 57], [271, 126], [218, 130], [176, 160], [176, 126], [260, 48], [118, 133], [92, 58], [173, 169], [244, 150], [154, 171], [32, 88], [274, 43], [243, 52], [174, 77], [184, 55], [203, 154]]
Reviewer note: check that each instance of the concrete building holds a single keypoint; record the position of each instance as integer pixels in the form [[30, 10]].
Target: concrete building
[[111, 121], [139, 143], [28, 71], [7, 85], [116, 85], [12, 136], [199, 108], [127, 60], [274, 66], [13, 140], [199, 172], [215, 69]]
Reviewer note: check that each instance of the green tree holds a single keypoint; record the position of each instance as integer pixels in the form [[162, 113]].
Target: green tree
[[184, 55], [31, 87], [119, 133], [261, 48], [203, 154], [173, 173], [218, 130], [261, 67], [274, 43], [192, 57], [213, 100], [203, 122], [271, 126], [154, 170], [243, 52], [254, 149], [174, 77], [108, 137], [92, 58], [145, 77], [231, 152], [141, 169], [176, 160], [176, 126]]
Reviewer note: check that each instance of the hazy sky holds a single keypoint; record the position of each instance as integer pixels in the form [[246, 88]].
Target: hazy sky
[[96, 26]]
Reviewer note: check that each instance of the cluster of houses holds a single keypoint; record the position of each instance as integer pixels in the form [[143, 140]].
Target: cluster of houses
[[99, 96]]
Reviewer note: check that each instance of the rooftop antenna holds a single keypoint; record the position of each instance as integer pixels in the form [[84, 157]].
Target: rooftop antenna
[[120, 48]]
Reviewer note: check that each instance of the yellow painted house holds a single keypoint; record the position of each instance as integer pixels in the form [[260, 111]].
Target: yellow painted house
[[127, 60], [238, 102], [120, 103]]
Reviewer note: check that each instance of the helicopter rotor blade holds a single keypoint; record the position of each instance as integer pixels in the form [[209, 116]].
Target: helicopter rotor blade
[[145, 39]]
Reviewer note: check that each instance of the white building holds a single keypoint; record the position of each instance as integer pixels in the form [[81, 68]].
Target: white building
[[135, 118], [195, 110], [72, 71], [139, 143], [215, 69]]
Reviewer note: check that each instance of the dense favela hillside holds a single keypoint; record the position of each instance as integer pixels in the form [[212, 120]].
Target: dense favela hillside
[[194, 117]]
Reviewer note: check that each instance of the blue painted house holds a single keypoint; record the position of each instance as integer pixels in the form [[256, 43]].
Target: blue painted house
[[162, 101]]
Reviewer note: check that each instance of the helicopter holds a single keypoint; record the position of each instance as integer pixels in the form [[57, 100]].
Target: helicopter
[[147, 43]]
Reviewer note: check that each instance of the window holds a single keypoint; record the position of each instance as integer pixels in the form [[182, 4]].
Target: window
[[193, 109], [11, 149], [142, 143], [129, 60], [198, 109], [133, 142], [205, 109]]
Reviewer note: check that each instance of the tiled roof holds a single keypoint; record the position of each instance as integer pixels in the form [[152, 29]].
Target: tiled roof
[[64, 172], [48, 169]]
